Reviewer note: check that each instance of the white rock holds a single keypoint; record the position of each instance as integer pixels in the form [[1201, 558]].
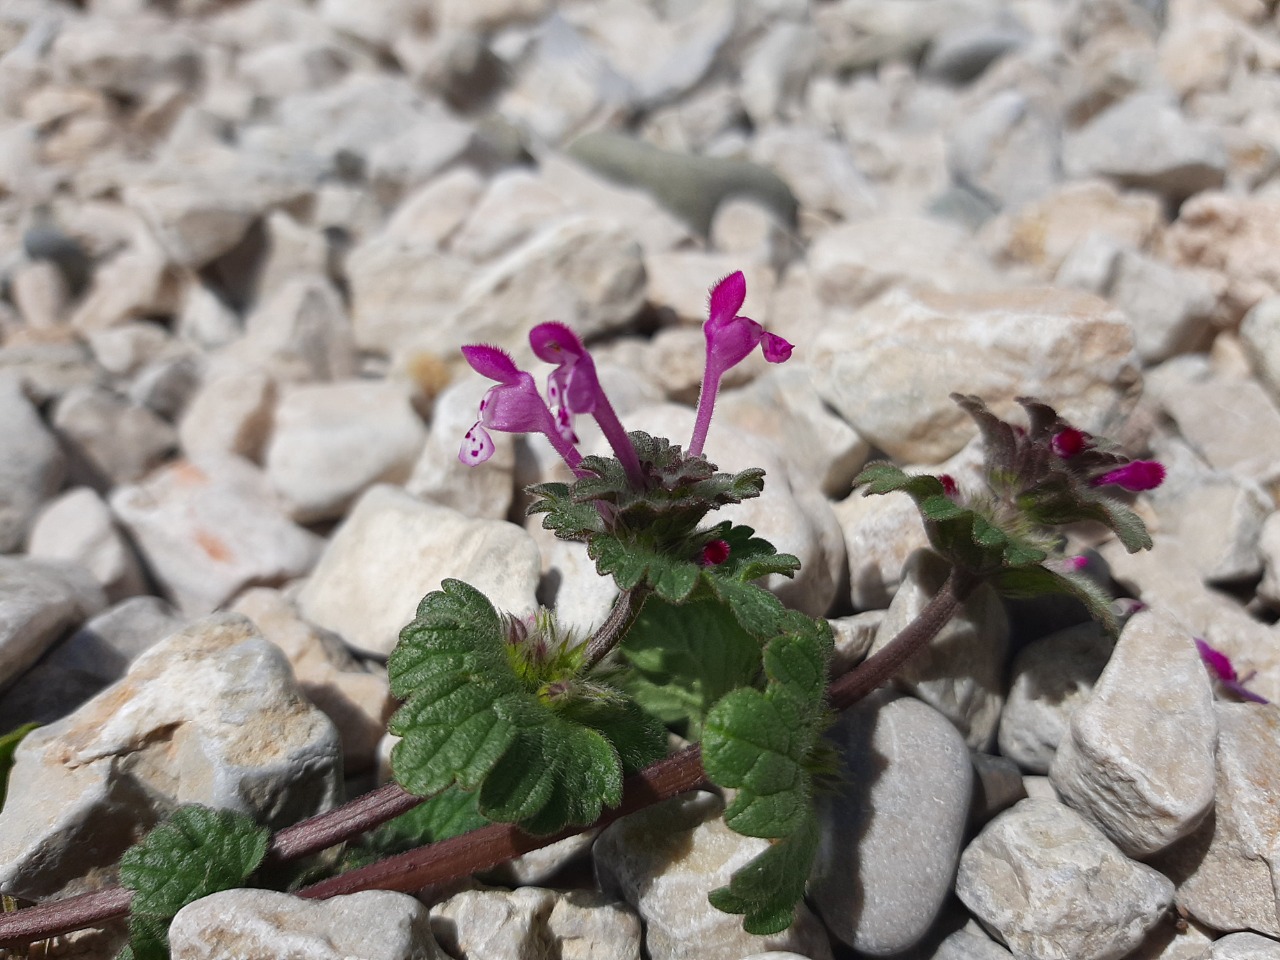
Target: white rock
[[77, 526], [1244, 946], [372, 925], [1008, 149], [665, 860], [230, 413], [853, 639], [393, 549], [1260, 336], [881, 375], [111, 440], [136, 282], [31, 464], [570, 584], [211, 715], [1027, 873], [880, 532], [1138, 756], [301, 333], [514, 206], [40, 601], [332, 441], [208, 530], [820, 171], [891, 835], [40, 293], [1269, 548], [968, 945], [776, 69], [960, 672], [126, 56]]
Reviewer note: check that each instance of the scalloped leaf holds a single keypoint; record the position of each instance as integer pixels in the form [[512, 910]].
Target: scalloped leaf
[[630, 564], [1034, 581], [767, 889]]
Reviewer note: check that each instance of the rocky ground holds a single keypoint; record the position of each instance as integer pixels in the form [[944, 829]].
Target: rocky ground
[[241, 243]]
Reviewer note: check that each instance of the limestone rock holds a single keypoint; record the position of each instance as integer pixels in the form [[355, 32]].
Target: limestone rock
[[301, 333], [230, 413], [112, 440], [41, 601], [78, 527], [31, 464], [880, 532]]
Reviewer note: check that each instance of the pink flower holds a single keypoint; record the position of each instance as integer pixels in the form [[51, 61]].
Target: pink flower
[[730, 339], [714, 553], [1220, 665], [1135, 476], [513, 406], [1070, 441]]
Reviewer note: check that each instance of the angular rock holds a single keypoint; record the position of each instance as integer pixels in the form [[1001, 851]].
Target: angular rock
[[112, 441], [230, 413], [208, 530], [1052, 677], [301, 333], [1008, 149], [880, 532], [31, 464], [78, 527], [664, 861], [210, 715], [1027, 873], [40, 602], [513, 206], [960, 672], [1260, 337], [393, 549], [1069, 349], [891, 836], [332, 441], [1137, 759], [1225, 871], [372, 925]]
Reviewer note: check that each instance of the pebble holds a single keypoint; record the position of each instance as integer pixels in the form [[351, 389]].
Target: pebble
[[1260, 337], [111, 440], [230, 413], [301, 333], [32, 465], [1027, 873], [77, 526], [1244, 946], [891, 837], [41, 601]]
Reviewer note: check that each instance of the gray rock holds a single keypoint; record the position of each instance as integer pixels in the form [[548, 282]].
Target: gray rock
[[1008, 149], [853, 638], [960, 672], [127, 57], [855, 34], [821, 173], [664, 861], [1144, 142], [208, 530], [1225, 871], [78, 527], [891, 836], [530, 923], [111, 439], [167, 385], [373, 925], [301, 333], [997, 785], [332, 441], [966, 945], [1069, 349], [44, 371], [31, 464], [962, 53], [211, 715], [230, 413], [1138, 756], [1027, 873], [41, 601], [776, 70], [1260, 336], [1244, 946], [1269, 549], [1052, 677], [392, 549], [880, 532]]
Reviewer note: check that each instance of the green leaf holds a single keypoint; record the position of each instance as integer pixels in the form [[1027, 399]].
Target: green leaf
[[631, 563], [450, 813], [8, 746], [196, 852], [767, 889], [685, 658], [570, 519], [1035, 581]]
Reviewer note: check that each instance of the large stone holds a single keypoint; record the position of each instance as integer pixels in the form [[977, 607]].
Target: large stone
[[31, 464], [209, 529], [665, 860], [1031, 870], [891, 835], [960, 672], [881, 372], [1138, 756], [40, 602], [211, 715], [372, 925], [392, 549]]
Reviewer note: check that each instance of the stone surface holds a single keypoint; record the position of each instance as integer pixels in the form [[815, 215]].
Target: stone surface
[[332, 441], [210, 715], [301, 332], [229, 414], [31, 464], [78, 527], [111, 440], [1052, 677], [966, 945], [40, 603], [960, 671], [880, 532], [1070, 350], [1137, 759], [665, 860], [373, 925], [1244, 946], [207, 530], [1027, 873], [393, 549], [891, 836], [1260, 336]]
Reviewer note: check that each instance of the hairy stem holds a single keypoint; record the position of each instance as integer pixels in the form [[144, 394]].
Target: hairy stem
[[496, 843], [625, 610]]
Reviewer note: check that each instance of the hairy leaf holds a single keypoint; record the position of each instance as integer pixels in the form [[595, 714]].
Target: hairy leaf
[[768, 888]]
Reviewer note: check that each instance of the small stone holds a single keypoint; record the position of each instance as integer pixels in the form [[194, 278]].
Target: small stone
[[111, 440], [966, 945], [203, 318], [211, 715], [135, 283], [78, 527], [962, 53], [1225, 871], [301, 333], [960, 671], [1244, 946], [230, 413], [1027, 873], [514, 206], [664, 861], [40, 293], [1008, 149], [1137, 759], [820, 171], [997, 786], [1260, 336], [208, 530], [891, 836], [372, 925], [853, 639], [125, 57], [392, 549], [1052, 678], [880, 532], [1269, 549], [776, 69], [31, 464], [41, 601], [332, 441], [1069, 349]]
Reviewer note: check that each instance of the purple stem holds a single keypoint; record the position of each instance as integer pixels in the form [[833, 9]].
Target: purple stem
[[706, 403]]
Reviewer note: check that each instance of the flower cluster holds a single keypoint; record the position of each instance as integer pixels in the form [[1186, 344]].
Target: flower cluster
[[514, 405]]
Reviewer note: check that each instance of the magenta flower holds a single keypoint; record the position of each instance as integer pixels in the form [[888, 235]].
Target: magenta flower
[[1221, 667], [513, 406], [714, 553], [1068, 442], [574, 388], [1134, 476], [730, 339]]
